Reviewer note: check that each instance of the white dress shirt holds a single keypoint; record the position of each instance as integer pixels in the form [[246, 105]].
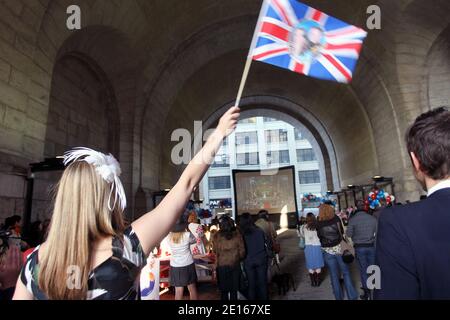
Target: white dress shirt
[[441, 185]]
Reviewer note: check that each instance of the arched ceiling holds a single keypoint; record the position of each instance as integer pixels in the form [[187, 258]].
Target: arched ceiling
[[332, 104], [172, 61]]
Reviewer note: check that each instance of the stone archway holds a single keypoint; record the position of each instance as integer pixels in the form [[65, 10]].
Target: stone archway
[[82, 112], [336, 108], [297, 116], [83, 108], [91, 97], [162, 72]]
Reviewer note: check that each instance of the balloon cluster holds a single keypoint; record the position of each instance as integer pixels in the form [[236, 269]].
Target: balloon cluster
[[378, 198]]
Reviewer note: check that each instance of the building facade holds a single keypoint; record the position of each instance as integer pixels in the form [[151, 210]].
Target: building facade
[[262, 143]]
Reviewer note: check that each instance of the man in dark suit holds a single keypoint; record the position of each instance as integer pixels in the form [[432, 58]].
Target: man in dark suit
[[413, 245]]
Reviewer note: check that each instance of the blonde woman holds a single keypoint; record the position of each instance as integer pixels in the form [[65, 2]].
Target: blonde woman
[[89, 254]]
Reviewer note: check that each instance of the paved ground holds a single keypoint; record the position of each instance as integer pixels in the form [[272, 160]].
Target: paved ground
[[292, 261]]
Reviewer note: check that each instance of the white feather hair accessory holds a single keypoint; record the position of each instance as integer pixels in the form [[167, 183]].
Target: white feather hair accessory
[[106, 166]]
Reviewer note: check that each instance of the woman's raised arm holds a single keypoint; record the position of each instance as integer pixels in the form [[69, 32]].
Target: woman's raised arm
[[152, 227]]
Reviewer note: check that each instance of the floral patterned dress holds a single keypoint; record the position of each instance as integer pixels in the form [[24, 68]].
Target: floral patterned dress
[[197, 248], [117, 278]]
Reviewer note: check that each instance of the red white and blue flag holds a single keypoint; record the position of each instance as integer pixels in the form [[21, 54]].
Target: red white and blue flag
[[294, 36]]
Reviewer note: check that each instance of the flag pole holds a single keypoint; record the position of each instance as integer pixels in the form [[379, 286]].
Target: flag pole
[[248, 63]]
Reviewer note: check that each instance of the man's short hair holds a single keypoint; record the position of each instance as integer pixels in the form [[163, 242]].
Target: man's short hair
[[263, 214], [429, 139], [11, 221], [360, 205]]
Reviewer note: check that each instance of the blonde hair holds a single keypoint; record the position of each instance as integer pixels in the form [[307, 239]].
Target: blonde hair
[[176, 237], [80, 217], [326, 212]]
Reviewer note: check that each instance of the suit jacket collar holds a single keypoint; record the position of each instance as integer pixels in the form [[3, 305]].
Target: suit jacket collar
[[441, 192], [439, 186]]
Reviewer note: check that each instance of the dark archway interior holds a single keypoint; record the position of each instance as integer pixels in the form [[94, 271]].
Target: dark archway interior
[[82, 110]]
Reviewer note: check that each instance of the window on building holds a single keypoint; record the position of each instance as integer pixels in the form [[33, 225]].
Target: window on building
[[217, 183], [221, 161], [278, 157], [267, 119], [248, 120], [247, 159], [273, 136], [246, 138], [308, 177], [298, 134], [306, 155]]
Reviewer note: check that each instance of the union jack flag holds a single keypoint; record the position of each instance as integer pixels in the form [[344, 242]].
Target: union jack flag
[[302, 39]]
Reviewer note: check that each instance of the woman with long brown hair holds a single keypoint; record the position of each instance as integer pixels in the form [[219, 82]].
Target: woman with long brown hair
[[330, 231], [230, 250], [89, 254]]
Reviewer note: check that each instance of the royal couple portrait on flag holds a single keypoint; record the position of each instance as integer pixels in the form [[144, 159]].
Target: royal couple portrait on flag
[[294, 36]]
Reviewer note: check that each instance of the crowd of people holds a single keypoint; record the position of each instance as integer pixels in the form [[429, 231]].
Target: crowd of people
[[88, 238], [16, 247], [243, 254], [325, 241]]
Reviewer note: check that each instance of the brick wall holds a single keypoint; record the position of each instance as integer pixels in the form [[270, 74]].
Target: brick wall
[[12, 192], [78, 113], [438, 93]]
